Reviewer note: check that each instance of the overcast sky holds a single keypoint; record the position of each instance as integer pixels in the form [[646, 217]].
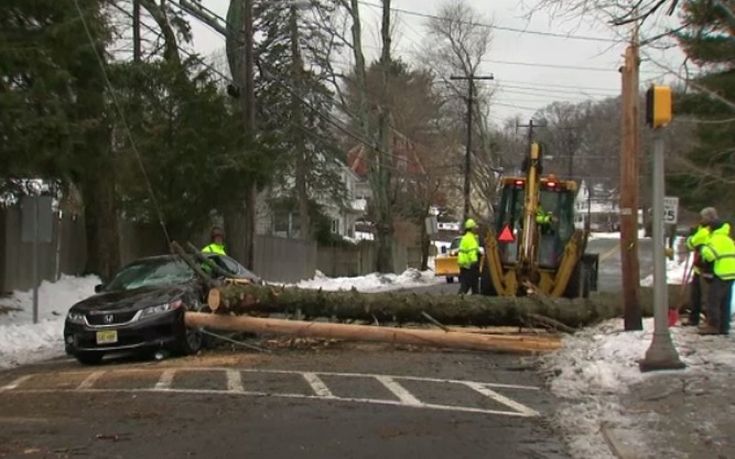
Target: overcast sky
[[521, 89]]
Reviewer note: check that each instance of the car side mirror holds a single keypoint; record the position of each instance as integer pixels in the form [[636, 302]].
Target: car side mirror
[[98, 288], [444, 249]]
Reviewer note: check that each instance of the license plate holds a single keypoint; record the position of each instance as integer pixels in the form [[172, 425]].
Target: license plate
[[107, 337]]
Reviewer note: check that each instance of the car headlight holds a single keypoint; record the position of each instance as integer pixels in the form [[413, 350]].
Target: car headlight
[[159, 309], [75, 317]]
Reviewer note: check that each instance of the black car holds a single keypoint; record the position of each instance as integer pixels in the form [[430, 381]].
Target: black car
[[142, 309]]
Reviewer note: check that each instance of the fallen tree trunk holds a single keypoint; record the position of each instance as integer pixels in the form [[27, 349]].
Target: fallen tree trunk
[[403, 307], [456, 340]]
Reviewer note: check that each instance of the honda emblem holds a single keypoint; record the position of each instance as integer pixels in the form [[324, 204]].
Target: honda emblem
[[109, 318]]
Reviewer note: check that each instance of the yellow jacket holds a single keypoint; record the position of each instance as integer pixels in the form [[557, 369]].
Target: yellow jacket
[[469, 250]]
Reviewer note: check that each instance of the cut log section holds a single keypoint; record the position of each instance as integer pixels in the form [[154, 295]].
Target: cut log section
[[405, 307], [455, 340]]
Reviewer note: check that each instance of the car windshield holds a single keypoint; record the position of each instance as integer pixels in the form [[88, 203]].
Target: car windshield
[[147, 273]]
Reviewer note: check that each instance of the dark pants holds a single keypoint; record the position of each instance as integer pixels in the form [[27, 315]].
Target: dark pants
[[695, 299], [469, 279], [718, 304]]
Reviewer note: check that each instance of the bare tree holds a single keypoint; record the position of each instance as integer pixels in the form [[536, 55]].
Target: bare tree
[[616, 12], [458, 47]]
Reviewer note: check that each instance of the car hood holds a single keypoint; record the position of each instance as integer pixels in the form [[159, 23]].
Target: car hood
[[125, 300]]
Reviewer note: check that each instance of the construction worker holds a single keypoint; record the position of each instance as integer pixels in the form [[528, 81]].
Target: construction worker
[[702, 271], [544, 219], [720, 251], [217, 242], [547, 238], [468, 259]]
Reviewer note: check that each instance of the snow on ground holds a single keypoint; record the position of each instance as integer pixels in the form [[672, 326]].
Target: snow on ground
[[372, 282], [22, 341], [676, 272], [595, 235], [614, 235], [600, 363]]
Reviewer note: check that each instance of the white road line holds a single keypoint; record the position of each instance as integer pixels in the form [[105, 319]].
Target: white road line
[[164, 382], [317, 385], [89, 381], [234, 381], [321, 373], [502, 399], [396, 403], [399, 391], [15, 383]]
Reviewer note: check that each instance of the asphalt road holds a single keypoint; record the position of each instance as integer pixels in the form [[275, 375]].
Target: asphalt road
[[336, 401], [341, 401], [609, 275]]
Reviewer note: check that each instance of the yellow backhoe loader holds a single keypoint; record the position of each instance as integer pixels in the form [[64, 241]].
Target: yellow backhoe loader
[[534, 246]]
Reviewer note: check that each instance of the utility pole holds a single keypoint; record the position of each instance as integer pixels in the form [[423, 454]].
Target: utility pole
[[468, 158], [249, 110], [297, 117], [136, 31], [531, 125], [629, 169]]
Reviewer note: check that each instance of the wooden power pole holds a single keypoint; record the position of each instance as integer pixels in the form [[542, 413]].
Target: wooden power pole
[[468, 153], [629, 168], [136, 31], [249, 110]]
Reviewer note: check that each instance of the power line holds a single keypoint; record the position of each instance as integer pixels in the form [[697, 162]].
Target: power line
[[124, 122], [502, 28], [551, 66], [578, 92]]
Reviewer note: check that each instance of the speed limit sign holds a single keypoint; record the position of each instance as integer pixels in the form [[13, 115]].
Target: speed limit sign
[[671, 209]]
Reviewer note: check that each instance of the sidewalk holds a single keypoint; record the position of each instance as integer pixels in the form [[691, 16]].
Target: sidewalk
[[610, 409]]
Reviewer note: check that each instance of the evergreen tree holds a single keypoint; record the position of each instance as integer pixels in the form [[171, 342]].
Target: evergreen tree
[[709, 41]]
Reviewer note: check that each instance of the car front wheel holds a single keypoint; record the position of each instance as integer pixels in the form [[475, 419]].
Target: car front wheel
[[191, 340]]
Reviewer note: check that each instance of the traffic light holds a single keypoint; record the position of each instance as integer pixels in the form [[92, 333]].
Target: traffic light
[[658, 106]]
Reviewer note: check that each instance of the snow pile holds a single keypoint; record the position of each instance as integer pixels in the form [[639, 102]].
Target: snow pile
[[676, 272], [598, 364], [595, 235], [21, 341], [374, 282]]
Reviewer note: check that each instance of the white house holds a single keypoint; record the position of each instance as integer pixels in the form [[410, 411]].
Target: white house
[[600, 206]]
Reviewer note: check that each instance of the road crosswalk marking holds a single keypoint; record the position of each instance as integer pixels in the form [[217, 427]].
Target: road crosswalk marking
[[317, 385], [164, 382], [320, 390], [234, 381], [399, 391]]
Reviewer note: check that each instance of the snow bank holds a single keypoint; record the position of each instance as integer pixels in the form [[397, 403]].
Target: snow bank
[[374, 282], [21, 341], [615, 235], [598, 364], [676, 272]]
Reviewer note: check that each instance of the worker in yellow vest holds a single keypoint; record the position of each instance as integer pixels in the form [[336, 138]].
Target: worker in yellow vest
[[702, 271], [217, 242], [720, 251], [468, 259]]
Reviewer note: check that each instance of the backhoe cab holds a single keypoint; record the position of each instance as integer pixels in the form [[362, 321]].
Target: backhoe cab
[[534, 246]]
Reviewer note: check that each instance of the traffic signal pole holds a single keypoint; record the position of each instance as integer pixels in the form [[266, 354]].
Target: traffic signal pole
[[661, 355]]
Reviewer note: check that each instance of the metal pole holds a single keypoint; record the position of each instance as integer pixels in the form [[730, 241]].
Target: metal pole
[[467, 159], [34, 254], [661, 355]]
